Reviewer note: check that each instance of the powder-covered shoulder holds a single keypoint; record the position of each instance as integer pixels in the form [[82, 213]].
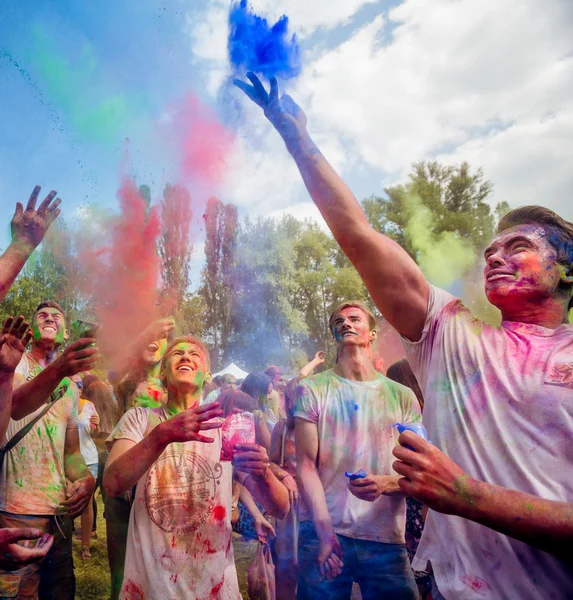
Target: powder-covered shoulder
[[317, 382], [132, 425]]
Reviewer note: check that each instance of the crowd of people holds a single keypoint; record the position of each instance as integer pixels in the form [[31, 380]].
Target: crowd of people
[[320, 471]]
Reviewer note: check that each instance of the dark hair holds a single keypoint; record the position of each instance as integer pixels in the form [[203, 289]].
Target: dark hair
[[218, 380], [231, 399], [401, 372], [88, 379], [290, 393], [559, 231], [98, 394], [257, 386], [48, 304], [352, 304], [273, 371]]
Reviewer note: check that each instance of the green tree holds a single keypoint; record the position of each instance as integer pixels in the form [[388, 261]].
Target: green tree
[[217, 289]]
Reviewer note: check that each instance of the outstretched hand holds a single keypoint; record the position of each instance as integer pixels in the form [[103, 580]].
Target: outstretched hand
[[13, 341], [29, 226], [13, 555], [284, 113]]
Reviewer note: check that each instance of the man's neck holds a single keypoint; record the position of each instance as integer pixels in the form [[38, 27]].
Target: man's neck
[[355, 363], [43, 354], [550, 313], [178, 400]]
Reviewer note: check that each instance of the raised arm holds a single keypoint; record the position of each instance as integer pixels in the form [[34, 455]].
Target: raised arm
[[307, 370], [396, 284], [28, 228], [28, 396], [306, 443], [434, 479]]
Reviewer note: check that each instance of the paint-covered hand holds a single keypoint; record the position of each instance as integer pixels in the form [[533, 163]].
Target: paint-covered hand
[[330, 561], [13, 341], [264, 530], [94, 421], [157, 330], [429, 475], [188, 424], [13, 555], [77, 357], [293, 494], [29, 226], [252, 459], [284, 113], [369, 488], [78, 496]]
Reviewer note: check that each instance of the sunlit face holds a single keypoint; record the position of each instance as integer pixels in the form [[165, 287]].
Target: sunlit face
[[49, 326], [186, 366], [229, 383], [351, 327], [521, 265], [154, 352]]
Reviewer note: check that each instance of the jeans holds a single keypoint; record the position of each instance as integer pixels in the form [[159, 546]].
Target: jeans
[[381, 570], [51, 579]]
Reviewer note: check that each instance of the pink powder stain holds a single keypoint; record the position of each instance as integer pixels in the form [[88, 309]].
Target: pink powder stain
[[477, 584], [132, 591], [219, 513], [216, 589]]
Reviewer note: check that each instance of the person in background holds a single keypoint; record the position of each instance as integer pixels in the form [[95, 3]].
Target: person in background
[[259, 386], [345, 422], [283, 463], [276, 399], [88, 421], [309, 368], [228, 382]]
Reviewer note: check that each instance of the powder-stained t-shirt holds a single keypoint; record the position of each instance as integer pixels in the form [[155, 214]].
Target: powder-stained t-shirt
[[499, 402], [33, 480], [356, 431], [87, 444], [179, 539]]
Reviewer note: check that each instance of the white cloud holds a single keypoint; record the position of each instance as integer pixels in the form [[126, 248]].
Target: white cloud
[[488, 81]]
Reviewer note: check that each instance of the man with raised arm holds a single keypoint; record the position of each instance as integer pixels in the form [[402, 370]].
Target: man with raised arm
[[179, 540], [345, 422], [498, 401], [33, 483]]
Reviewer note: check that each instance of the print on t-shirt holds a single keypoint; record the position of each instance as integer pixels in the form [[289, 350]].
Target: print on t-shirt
[[180, 490], [562, 374]]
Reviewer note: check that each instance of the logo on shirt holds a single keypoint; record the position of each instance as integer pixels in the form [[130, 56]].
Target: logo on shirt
[[562, 374], [180, 490]]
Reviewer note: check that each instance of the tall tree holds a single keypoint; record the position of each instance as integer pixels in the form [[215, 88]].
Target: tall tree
[[217, 289], [174, 246]]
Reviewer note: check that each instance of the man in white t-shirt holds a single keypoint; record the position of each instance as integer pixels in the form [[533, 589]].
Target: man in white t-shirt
[[179, 539], [33, 482], [345, 422], [228, 382], [500, 401]]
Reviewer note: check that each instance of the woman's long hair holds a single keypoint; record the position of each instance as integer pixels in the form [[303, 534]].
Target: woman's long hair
[[401, 372], [256, 385], [98, 394]]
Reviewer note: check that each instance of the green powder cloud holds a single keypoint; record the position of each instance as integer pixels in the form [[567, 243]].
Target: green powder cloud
[[443, 257]]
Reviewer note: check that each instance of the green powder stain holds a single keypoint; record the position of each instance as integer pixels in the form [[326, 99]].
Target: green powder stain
[[77, 85], [528, 506], [19, 483], [39, 432], [443, 257], [52, 430], [22, 450]]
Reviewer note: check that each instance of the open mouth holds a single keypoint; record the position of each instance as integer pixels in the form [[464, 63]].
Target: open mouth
[[496, 276], [185, 368], [152, 348], [49, 328]]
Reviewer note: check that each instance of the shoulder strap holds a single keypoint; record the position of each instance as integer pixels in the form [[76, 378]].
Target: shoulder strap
[[54, 397]]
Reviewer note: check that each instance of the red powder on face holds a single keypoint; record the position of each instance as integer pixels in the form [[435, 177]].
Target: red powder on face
[[219, 513]]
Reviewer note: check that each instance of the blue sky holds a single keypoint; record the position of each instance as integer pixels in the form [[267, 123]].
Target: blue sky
[[384, 85]]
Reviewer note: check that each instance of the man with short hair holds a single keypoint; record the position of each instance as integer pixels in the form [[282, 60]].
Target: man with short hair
[[498, 400], [228, 382], [33, 484], [179, 540], [345, 422], [277, 396]]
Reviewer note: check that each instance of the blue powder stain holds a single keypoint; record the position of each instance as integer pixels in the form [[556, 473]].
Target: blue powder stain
[[356, 407], [253, 45]]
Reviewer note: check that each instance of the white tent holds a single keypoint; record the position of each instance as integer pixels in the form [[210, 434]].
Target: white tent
[[232, 369]]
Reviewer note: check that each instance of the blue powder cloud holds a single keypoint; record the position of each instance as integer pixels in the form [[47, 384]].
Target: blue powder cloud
[[254, 45]]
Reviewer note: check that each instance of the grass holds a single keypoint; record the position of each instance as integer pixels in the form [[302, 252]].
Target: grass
[[92, 576]]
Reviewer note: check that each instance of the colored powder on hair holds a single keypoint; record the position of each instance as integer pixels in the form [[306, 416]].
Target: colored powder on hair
[[254, 45], [443, 257], [77, 86]]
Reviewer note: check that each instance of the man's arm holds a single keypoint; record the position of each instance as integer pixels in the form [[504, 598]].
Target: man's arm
[[30, 395], [306, 443], [78, 473], [311, 366], [371, 487], [28, 228], [431, 477], [396, 284]]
